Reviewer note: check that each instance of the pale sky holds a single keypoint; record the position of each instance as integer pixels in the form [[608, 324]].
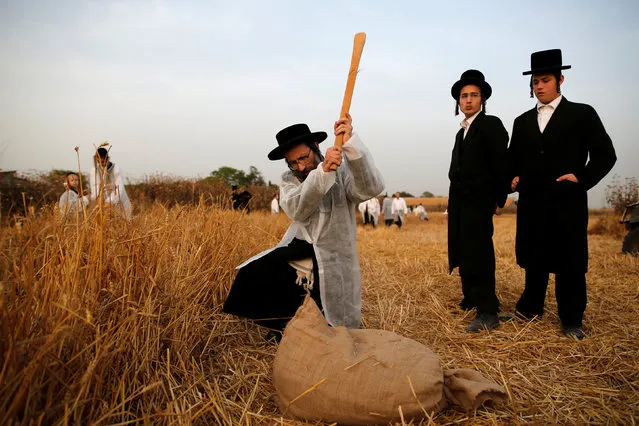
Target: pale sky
[[184, 87]]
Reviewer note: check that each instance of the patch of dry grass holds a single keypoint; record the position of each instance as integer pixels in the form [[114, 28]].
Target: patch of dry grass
[[118, 323], [607, 223]]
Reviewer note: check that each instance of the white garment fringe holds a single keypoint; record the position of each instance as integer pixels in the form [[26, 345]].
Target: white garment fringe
[[304, 269]]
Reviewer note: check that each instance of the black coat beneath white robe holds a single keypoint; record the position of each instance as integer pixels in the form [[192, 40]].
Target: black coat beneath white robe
[[552, 217]]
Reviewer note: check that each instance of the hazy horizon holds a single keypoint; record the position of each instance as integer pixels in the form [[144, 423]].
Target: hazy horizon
[[183, 88]]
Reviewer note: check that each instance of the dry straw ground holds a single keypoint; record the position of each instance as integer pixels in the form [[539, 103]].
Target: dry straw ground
[[119, 323]]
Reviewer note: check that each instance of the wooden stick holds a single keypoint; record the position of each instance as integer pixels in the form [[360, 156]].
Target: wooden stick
[[358, 47]]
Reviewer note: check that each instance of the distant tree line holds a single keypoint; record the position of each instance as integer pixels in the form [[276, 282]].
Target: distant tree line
[[619, 195], [232, 176]]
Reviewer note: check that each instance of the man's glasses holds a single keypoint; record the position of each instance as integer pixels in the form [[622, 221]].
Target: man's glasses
[[294, 165]]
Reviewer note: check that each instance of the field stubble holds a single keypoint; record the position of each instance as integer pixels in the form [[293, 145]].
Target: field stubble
[[108, 322]]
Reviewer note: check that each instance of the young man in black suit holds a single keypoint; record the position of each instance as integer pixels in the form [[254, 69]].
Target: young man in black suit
[[559, 150], [478, 184]]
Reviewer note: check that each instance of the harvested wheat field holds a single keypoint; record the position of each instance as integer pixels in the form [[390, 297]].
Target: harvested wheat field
[[107, 322]]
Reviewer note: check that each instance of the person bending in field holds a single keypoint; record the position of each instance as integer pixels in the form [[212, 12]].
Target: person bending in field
[[241, 199], [420, 212], [71, 202], [318, 251]]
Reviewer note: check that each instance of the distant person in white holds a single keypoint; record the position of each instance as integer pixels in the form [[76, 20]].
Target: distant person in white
[[387, 210], [399, 209], [71, 201], [370, 211], [275, 204], [420, 212], [107, 182]]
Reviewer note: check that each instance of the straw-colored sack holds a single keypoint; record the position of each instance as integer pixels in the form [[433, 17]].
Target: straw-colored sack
[[365, 376]]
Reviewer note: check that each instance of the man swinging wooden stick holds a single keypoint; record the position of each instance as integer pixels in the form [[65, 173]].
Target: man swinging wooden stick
[[318, 252]]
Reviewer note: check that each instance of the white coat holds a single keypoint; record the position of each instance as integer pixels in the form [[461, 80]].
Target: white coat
[[70, 203], [373, 209], [362, 209], [420, 212], [117, 196], [322, 208], [387, 208], [275, 206], [399, 208]]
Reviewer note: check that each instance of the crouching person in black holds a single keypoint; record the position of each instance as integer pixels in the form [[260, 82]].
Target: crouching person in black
[[318, 253]]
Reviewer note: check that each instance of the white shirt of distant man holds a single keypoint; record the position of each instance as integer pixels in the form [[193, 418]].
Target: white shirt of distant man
[[399, 209]]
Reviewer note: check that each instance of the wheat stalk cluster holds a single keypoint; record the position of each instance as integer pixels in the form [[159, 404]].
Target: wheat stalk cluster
[[104, 321]]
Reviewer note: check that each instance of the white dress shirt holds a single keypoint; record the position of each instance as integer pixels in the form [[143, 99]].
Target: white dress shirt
[[399, 206], [545, 111], [466, 122]]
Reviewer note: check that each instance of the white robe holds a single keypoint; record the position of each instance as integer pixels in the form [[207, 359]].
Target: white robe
[[275, 206], [70, 203], [399, 208], [323, 212], [387, 208], [373, 209], [420, 212], [117, 196], [362, 210]]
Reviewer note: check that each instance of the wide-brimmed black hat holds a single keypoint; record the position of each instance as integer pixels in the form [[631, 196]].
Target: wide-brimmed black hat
[[102, 152], [546, 61], [471, 77], [294, 135]]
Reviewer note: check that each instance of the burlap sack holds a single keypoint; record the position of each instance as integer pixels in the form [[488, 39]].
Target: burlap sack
[[364, 376]]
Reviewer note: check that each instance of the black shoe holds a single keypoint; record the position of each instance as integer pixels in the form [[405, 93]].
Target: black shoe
[[574, 333], [274, 336], [483, 322]]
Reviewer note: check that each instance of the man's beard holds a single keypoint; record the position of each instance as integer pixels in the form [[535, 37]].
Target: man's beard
[[302, 175]]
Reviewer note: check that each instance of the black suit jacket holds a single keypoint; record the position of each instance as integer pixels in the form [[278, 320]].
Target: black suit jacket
[[552, 217], [478, 182], [478, 166]]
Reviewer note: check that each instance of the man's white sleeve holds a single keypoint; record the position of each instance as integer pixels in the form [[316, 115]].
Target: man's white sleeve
[[300, 199]]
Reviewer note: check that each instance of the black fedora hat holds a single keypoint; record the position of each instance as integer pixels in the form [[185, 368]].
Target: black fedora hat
[[471, 77], [546, 61], [294, 135]]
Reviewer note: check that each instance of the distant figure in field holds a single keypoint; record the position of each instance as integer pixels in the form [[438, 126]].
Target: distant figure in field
[[478, 183], [319, 250], [71, 202], [398, 209], [559, 150], [420, 212], [240, 199], [107, 183], [387, 210], [370, 211], [275, 204]]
